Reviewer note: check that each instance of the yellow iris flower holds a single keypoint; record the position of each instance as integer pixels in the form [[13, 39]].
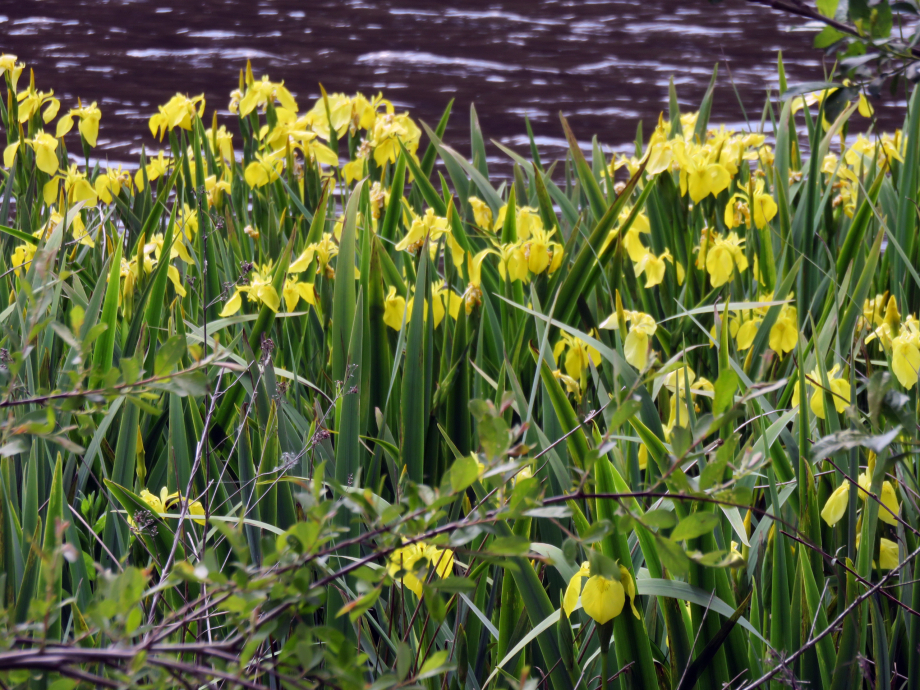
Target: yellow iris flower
[[154, 168], [699, 176], [177, 112], [631, 241], [678, 414], [513, 262], [76, 187], [446, 301], [570, 384], [602, 598], [737, 210], [839, 388], [131, 271], [289, 131], [31, 101], [294, 290], [260, 289], [354, 170], [902, 340], [389, 130], [873, 313], [215, 189], [482, 214], [528, 223], [394, 308], [261, 93], [187, 224], [77, 228], [642, 327], [167, 502], [155, 501], [891, 324], [578, 355], [410, 564], [340, 109], [723, 257], [264, 169], [23, 254], [323, 251], [9, 153], [784, 334], [178, 248], [527, 220], [643, 457], [905, 358], [221, 141], [379, 197], [746, 332], [836, 504], [636, 345], [659, 154], [676, 381], [364, 110], [45, 147], [89, 117], [472, 296], [541, 252], [21, 258], [864, 149], [888, 552], [653, 267], [429, 226], [889, 498], [8, 65], [633, 244], [660, 158], [889, 557], [109, 184], [315, 150]]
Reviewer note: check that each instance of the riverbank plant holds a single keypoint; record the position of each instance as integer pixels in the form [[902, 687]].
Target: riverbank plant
[[308, 398]]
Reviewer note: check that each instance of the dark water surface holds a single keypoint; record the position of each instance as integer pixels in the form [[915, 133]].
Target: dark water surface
[[604, 63]]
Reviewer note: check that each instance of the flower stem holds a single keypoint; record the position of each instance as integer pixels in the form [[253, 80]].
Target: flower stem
[[604, 656], [604, 631]]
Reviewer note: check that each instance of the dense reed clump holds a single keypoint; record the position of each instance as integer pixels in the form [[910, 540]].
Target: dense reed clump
[[309, 399]]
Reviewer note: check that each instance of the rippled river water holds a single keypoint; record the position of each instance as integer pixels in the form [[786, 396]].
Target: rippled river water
[[604, 63]]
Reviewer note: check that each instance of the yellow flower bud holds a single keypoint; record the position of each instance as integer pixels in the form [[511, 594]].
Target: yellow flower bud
[[836, 505]]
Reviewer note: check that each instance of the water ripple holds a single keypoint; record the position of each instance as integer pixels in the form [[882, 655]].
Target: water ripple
[[605, 63]]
